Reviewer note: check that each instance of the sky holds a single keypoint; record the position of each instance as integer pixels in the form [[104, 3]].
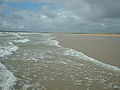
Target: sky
[[71, 16]]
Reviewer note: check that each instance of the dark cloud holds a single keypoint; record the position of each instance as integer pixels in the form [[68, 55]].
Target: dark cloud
[[109, 8]]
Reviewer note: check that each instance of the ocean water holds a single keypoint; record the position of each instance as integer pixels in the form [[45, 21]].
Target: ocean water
[[36, 61]]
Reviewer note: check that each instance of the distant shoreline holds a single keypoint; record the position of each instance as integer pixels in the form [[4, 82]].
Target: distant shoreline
[[95, 34], [12, 31], [65, 33]]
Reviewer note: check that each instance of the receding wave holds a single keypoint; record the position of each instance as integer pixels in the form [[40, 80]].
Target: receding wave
[[86, 58], [7, 79]]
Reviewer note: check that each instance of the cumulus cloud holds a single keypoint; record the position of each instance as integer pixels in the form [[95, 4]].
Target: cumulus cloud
[[72, 16]]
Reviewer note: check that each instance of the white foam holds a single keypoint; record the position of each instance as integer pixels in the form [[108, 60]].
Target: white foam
[[21, 41], [8, 50], [50, 40], [1, 34], [63, 62], [55, 42], [19, 36], [15, 34], [7, 79], [26, 33], [85, 57], [26, 87], [51, 43]]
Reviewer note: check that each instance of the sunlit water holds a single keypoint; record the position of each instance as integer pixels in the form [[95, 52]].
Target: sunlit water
[[35, 61]]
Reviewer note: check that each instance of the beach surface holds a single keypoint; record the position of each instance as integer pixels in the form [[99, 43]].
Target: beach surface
[[102, 47]]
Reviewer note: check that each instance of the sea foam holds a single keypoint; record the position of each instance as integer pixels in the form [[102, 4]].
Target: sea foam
[[21, 41], [8, 50], [51, 43], [7, 79], [87, 58]]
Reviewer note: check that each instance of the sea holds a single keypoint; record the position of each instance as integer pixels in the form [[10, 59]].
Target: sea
[[36, 61]]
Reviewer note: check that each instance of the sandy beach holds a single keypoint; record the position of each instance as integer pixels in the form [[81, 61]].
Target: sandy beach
[[102, 47]]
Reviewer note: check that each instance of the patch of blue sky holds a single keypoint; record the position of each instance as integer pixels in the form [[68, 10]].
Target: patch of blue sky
[[8, 11], [20, 6], [29, 6], [32, 6]]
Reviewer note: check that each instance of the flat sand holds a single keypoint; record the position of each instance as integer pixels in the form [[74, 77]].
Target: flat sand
[[102, 47]]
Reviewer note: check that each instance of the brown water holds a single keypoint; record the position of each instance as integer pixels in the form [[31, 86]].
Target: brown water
[[40, 63]]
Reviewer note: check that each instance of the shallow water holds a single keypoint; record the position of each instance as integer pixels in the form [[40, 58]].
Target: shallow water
[[35, 61]]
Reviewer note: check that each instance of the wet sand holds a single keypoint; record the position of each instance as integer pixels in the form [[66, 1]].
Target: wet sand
[[102, 47]]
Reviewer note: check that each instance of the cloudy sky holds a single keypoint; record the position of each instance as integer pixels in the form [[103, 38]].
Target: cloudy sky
[[76, 16]]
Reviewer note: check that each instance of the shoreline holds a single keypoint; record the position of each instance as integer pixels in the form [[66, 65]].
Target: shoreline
[[96, 46], [65, 33]]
